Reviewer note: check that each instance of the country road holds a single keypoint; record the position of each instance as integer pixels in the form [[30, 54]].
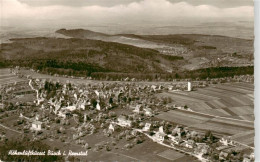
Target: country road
[[10, 129]]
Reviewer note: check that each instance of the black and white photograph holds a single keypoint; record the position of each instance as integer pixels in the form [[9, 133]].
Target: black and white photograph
[[127, 80]]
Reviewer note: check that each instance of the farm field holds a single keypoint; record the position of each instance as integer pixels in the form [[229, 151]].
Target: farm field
[[219, 125], [172, 155], [8, 78], [234, 100], [225, 109]]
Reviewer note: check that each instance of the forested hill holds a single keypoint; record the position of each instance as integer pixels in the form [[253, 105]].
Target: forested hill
[[83, 57], [136, 56]]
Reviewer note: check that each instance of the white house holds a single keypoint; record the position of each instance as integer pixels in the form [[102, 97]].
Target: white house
[[147, 127], [189, 144], [226, 141], [123, 121], [159, 136], [36, 125], [137, 109], [97, 93], [177, 140], [154, 87], [111, 127], [70, 108], [148, 111], [98, 106], [62, 114]]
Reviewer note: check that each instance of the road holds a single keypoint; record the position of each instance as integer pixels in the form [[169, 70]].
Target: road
[[10, 129]]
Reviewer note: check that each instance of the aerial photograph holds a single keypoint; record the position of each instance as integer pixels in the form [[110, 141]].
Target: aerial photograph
[[127, 80]]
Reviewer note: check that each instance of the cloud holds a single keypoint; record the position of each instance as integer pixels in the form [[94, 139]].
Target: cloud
[[14, 12]]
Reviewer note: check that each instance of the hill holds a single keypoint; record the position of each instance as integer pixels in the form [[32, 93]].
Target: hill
[[84, 56], [200, 51], [87, 53]]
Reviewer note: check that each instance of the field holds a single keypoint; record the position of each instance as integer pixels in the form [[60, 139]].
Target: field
[[225, 109], [218, 125], [234, 100], [245, 137], [173, 155], [8, 78]]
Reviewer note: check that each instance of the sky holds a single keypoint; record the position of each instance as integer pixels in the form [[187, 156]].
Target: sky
[[46, 13], [109, 3]]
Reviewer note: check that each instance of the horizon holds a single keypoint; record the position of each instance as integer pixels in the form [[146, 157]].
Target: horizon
[[78, 14], [233, 18]]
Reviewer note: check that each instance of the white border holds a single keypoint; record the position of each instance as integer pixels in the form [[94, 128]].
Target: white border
[[257, 80]]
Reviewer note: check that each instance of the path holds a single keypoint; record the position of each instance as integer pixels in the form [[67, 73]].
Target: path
[[10, 129]]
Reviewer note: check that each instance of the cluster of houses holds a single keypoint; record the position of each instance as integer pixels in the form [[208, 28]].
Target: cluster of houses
[[112, 106]]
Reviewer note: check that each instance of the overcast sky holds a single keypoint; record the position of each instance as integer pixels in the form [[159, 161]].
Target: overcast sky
[[82, 12], [109, 3]]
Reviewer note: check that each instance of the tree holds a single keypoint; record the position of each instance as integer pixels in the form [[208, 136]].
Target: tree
[[110, 100], [93, 102]]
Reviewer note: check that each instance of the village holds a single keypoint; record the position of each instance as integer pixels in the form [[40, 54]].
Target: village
[[124, 114]]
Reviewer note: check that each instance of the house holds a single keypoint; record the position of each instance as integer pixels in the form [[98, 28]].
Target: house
[[97, 93], [134, 132], [85, 117], [137, 109], [153, 87], [36, 125], [75, 96], [178, 130], [246, 159], [147, 127], [226, 141], [189, 144], [159, 136], [223, 155], [252, 155], [223, 147], [62, 114], [202, 148], [148, 111], [177, 140], [170, 88], [111, 127], [70, 108], [98, 106], [123, 121]]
